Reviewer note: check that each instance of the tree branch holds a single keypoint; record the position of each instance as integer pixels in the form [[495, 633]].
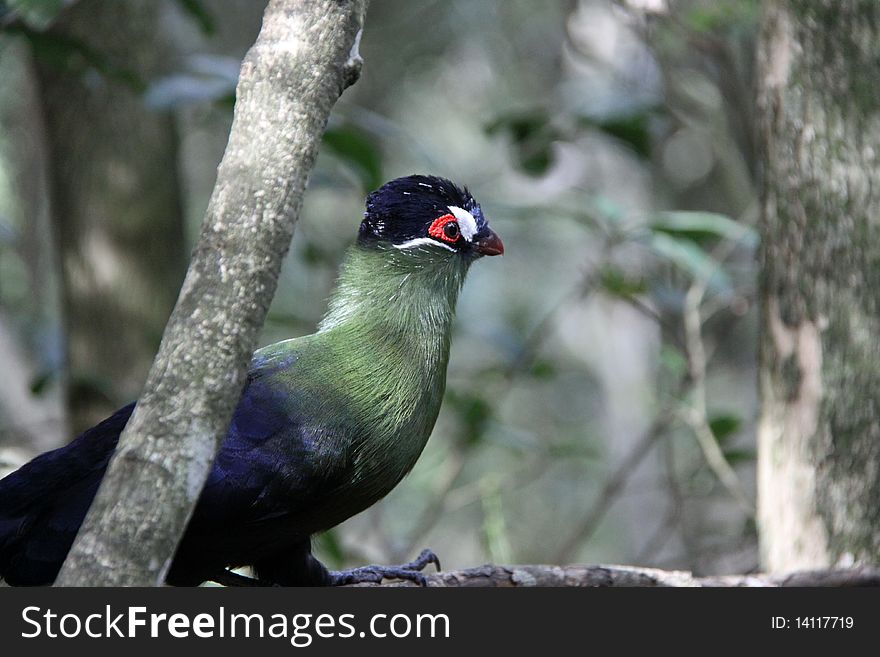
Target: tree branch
[[628, 576], [303, 59]]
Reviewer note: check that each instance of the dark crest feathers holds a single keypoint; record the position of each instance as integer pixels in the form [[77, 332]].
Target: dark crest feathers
[[403, 208]]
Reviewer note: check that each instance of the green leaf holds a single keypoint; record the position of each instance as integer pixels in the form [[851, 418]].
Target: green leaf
[[357, 149], [736, 456], [725, 425], [474, 414], [314, 254], [630, 129], [688, 256], [699, 225], [519, 125], [543, 369], [37, 14], [619, 284], [532, 134], [40, 383], [535, 161]]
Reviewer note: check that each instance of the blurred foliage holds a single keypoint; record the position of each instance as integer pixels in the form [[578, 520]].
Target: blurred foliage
[[721, 16], [473, 414], [201, 79], [630, 129], [723, 426], [359, 150], [532, 136], [200, 14], [610, 147], [700, 226], [73, 55], [618, 283], [37, 14]]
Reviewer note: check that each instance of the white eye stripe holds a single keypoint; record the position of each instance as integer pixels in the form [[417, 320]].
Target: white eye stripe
[[466, 221], [419, 241]]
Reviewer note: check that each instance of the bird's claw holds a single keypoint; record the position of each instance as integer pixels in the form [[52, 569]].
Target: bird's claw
[[375, 574], [420, 562]]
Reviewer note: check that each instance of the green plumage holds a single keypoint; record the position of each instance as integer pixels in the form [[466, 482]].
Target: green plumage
[[326, 425], [374, 374]]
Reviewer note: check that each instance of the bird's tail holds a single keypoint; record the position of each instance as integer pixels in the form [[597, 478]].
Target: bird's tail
[[43, 503]]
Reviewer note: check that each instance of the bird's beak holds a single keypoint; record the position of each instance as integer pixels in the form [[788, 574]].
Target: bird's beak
[[489, 244]]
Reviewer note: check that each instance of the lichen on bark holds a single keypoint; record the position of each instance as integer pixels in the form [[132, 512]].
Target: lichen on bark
[[819, 434]]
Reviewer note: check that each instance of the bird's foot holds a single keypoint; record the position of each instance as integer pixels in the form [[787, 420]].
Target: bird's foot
[[375, 574]]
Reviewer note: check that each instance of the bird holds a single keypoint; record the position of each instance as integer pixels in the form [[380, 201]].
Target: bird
[[327, 424]]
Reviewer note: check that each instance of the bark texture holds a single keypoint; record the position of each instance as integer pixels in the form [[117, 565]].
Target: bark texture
[[629, 576], [819, 430], [290, 79], [115, 195]]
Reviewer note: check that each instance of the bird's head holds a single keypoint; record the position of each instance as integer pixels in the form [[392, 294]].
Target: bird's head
[[417, 240], [428, 215]]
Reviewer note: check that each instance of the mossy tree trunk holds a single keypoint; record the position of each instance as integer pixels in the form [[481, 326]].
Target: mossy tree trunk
[[819, 430], [115, 195]]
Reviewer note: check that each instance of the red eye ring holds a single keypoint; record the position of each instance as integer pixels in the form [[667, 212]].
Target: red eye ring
[[445, 228]]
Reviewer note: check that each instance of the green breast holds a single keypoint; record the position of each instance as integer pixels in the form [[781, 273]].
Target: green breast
[[371, 404], [373, 376], [394, 390]]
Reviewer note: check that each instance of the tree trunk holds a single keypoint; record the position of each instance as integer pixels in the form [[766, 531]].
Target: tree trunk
[[819, 429], [116, 201], [303, 59]]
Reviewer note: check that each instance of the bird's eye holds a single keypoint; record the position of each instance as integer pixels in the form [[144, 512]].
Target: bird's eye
[[445, 228]]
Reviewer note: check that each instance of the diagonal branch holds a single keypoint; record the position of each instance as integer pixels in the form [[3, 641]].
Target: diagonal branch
[[303, 59]]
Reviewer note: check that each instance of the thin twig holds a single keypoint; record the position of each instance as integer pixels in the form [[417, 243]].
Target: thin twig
[[614, 485], [439, 498], [696, 416]]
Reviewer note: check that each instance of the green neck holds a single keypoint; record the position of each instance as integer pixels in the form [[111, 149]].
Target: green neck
[[390, 296], [389, 325]]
